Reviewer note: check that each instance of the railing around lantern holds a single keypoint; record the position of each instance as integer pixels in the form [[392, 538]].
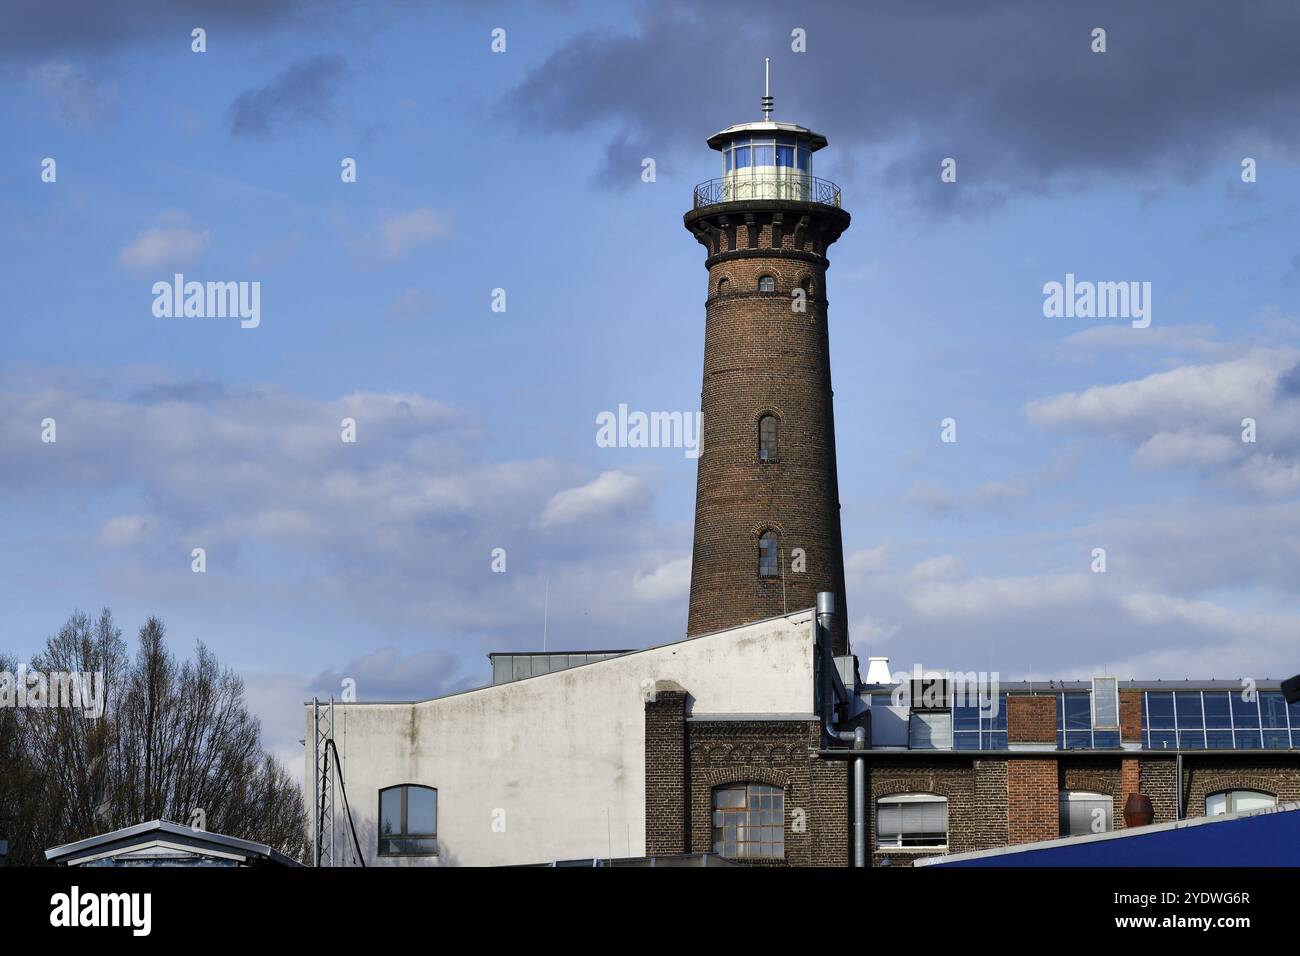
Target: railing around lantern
[[740, 188]]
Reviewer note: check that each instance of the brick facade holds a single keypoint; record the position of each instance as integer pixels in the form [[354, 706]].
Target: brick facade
[[762, 356], [1156, 777], [1204, 775], [1031, 719], [993, 800], [976, 802], [1033, 799], [666, 785], [1130, 716], [686, 759]]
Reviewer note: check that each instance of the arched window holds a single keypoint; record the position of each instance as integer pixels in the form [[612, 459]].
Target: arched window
[[749, 821], [724, 285], [1234, 801], [408, 821], [766, 284], [912, 819], [1083, 813], [806, 284], [767, 555], [767, 435]]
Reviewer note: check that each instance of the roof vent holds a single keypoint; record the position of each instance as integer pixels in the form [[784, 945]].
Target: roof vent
[[878, 671]]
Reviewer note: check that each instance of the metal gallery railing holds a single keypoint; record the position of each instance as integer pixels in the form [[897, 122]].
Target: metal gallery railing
[[741, 188]]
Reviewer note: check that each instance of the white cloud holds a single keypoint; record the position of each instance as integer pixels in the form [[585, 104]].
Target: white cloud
[[866, 560], [1194, 416], [669, 581], [394, 532], [403, 231], [124, 530], [982, 595], [1220, 392], [164, 247], [1270, 475], [609, 494], [1172, 449], [942, 566]]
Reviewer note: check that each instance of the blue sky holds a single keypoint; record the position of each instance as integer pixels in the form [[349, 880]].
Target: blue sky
[[522, 170]]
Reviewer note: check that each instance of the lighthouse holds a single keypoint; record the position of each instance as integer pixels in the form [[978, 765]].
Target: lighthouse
[[767, 512]]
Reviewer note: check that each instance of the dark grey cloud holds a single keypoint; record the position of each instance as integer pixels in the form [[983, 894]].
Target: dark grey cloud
[[387, 674], [1008, 87], [301, 94], [200, 393], [1288, 385], [35, 29]]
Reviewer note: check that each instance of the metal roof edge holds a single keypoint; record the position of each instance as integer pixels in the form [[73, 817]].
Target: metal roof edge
[[1103, 837]]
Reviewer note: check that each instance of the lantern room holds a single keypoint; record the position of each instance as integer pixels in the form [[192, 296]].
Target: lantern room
[[767, 160]]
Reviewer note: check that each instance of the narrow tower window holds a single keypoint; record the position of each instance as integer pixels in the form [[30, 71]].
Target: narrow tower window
[[767, 432], [723, 285], [767, 558], [766, 284]]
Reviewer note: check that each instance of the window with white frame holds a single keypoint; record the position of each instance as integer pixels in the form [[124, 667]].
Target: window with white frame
[[929, 730], [912, 820], [1105, 703], [1235, 801], [1083, 813]]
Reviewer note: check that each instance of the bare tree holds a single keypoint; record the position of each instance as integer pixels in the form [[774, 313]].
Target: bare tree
[[175, 737]]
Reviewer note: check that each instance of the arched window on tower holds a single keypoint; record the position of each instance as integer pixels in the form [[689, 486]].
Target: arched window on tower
[[767, 435], [767, 555], [724, 285], [766, 284]]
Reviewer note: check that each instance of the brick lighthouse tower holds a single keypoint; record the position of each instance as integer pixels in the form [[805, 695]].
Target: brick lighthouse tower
[[767, 518]]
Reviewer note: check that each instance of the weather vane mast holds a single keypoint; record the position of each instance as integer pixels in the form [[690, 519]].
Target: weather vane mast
[[767, 88]]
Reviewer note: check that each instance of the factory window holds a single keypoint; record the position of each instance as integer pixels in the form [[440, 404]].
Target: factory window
[[1105, 702], [408, 821], [1234, 801], [767, 432], [767, 555], [766, 284], [929, 731], [749, 821], [912, 820], [1084, 813]]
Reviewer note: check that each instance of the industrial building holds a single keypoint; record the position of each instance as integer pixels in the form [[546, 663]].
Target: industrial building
[[757, 737]]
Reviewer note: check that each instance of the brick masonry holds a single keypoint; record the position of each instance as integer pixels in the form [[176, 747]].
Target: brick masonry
[[1031, 719], [1033, 798], [783, 754], [1130, 716], [667, 820], [993, 800], [761, 356], [976, 801]]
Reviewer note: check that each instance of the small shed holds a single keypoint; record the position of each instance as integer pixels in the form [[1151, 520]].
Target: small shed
[[163, 843]]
